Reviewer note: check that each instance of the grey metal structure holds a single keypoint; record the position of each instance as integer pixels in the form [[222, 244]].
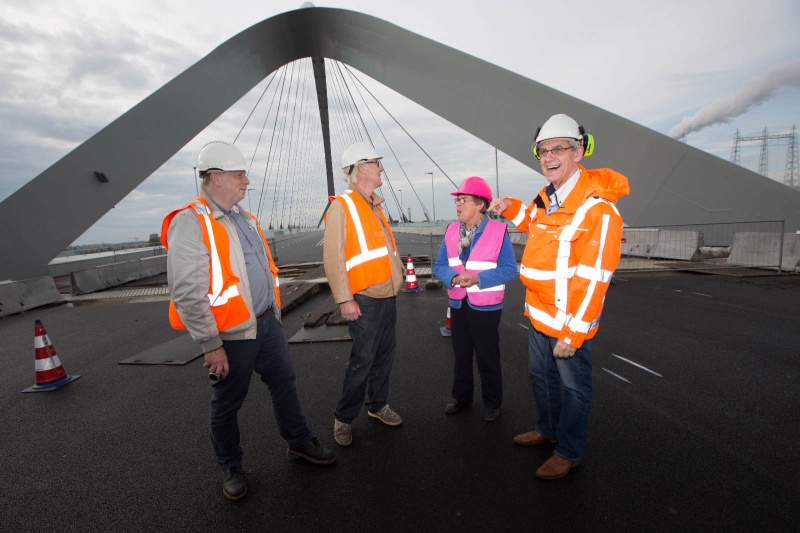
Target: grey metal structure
[[670, 181]]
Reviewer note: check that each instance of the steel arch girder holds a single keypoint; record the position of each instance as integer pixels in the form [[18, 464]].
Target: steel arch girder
[[670, 181]]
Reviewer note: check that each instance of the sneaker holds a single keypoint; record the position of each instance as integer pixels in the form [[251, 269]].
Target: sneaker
[[234, 487], [313, 452], [387, 416], [491, 414], [342, 433]]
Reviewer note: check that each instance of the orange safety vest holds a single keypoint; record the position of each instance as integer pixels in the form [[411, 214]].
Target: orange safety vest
[[366, 254], [226, 303], [570, 255]]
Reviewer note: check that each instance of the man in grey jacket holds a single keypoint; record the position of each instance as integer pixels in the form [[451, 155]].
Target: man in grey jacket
[[224, 288]]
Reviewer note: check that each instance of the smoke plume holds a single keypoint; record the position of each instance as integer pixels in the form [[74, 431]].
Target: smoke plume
[[723, 109]]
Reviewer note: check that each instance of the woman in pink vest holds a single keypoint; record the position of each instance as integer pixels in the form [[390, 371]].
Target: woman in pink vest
[[476, 260]]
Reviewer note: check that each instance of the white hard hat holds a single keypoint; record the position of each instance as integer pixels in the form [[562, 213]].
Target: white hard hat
[[358, 152], [220, 155], [559, 127]]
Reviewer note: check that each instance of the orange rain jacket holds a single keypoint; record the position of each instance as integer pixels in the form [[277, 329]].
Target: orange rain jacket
[[571, 254]]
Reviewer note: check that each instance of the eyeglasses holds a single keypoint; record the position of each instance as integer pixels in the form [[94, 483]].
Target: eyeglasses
[[460, 201], [556, 151], [375, 162]]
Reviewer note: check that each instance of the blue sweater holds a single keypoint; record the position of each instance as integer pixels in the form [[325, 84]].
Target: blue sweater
[[506, 268]]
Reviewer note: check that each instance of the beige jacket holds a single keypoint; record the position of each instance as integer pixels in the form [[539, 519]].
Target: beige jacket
[[188, 278]]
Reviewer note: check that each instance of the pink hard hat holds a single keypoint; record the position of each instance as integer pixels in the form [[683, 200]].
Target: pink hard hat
[[474, 186]]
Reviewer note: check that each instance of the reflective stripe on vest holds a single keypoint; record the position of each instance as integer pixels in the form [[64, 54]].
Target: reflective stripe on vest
[[217, 295], [366, 254], [520, 215]]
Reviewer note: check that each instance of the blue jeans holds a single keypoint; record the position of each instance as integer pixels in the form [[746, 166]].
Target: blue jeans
[[268, 354], [371, 357], [563, 392]]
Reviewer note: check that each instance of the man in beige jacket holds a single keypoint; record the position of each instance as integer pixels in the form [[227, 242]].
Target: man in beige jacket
[[365, 274]]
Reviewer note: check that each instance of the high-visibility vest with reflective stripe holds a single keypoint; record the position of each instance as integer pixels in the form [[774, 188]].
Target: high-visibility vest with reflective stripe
[[564, 297], [226, 303], [483, 256], [366, 254]]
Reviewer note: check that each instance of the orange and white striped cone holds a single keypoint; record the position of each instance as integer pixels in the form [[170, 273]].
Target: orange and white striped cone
[[446, 329], [411, 278], [50, 374]]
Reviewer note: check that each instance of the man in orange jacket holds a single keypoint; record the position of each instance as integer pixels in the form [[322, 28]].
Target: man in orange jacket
[[224, 289], [573, 247]]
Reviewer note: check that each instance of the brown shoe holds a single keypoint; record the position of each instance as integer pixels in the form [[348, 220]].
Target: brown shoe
[[555, 467], [533, 438]]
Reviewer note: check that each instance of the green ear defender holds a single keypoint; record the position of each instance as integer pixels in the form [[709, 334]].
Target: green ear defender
[[588, 142], [534, 148]]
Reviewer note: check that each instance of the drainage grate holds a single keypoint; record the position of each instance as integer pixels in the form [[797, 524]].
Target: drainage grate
[[129, 293]]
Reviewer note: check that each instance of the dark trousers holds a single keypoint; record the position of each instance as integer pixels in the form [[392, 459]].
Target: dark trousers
[[268, 355], [371, 357], [476, 332]]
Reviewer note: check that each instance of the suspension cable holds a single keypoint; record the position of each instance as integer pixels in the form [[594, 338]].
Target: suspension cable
[[401, 126], [262, 196]]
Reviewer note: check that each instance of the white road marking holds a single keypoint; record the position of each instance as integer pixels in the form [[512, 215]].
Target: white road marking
[[616, 375], [636, 365], [701, 294]]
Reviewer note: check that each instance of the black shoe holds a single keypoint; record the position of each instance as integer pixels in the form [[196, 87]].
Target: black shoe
[[491, 414], [454, 406], [313, 452], [234, 487]]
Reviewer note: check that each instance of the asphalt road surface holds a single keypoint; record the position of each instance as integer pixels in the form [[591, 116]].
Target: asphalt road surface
[[694, 424]]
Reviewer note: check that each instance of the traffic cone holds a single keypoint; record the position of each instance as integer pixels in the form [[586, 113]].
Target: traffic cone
[[50, 375], [411, 278], [446, 329]]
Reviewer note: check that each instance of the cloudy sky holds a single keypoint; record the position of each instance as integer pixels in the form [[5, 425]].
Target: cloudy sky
[[698, 69]]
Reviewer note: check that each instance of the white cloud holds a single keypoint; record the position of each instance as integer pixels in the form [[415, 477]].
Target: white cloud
[[72, 66]]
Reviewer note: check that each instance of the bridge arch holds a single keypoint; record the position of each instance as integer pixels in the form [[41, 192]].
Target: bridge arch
[[671, 182]]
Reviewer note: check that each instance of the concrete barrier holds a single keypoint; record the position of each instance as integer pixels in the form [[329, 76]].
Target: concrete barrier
[[791, 255], [762, 249], [518, 238], [639, 242], [681, 245], [420, 230], [103, 277], [19, 296], [62, 266], [515, 236]]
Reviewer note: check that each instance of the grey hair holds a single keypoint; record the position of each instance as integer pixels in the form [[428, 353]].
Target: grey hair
[[205, 176], [352, 177]]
